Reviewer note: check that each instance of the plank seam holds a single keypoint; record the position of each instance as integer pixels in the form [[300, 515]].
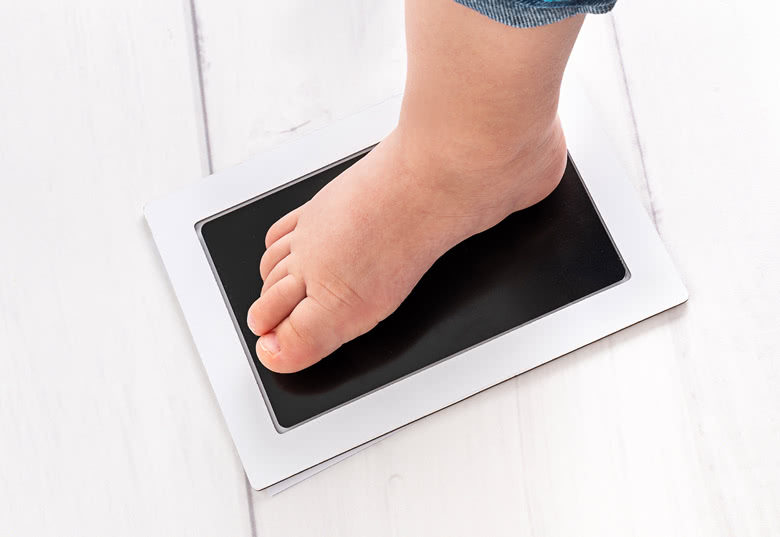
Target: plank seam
[[201, 85], [634, 124], [250, 506], [210, 163]]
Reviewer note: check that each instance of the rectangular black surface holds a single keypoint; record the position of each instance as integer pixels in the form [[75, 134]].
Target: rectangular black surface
[[534, 262]]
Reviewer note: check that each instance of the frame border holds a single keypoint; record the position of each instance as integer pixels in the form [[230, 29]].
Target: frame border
[[269, 456]]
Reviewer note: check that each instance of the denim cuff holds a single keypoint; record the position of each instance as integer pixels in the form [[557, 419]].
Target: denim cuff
[[530, 13]]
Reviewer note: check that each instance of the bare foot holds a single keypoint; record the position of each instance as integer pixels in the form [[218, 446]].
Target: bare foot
[[345, 260]]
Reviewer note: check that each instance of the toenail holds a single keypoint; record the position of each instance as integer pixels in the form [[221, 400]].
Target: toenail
[[269, 343]]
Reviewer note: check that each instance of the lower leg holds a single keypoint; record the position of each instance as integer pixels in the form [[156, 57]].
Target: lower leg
[[479, 84]]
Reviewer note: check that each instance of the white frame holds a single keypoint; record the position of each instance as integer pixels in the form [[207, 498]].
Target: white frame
[[269, 455]]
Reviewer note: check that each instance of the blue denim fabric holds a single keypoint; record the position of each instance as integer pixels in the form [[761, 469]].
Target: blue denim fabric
[[528, 13]]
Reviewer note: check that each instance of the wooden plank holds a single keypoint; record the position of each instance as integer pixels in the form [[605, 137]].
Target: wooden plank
[[704, 84], [275, 70], [108, 423]]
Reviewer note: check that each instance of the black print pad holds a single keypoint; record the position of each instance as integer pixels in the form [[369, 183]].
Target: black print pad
[[534, 262]]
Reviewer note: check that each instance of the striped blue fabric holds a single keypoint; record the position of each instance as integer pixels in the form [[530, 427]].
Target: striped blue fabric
[[529, 13]]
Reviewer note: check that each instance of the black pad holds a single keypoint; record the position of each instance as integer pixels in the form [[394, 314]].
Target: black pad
[[534, 262]]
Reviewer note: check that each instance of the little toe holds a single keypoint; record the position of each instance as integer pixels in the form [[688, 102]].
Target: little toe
[[282, 227], [276, 304], [304, 338], [275, 253]]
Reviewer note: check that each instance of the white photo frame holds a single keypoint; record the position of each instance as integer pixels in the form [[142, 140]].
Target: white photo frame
[[270, 455]]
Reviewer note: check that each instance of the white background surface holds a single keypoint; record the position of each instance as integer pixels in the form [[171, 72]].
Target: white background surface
[[107, 422]]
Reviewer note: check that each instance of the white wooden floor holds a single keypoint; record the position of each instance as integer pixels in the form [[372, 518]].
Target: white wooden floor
[[108, 425]]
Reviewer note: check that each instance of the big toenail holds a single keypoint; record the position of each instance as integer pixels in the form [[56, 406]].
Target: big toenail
[[269, 343]]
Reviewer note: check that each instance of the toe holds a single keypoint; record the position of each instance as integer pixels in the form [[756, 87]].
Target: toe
[[275, 253], [281, 270], [282, 227], [276, 304], [305, 337]]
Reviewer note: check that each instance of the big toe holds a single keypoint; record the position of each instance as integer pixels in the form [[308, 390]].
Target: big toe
[[303, 338], [275, 304]]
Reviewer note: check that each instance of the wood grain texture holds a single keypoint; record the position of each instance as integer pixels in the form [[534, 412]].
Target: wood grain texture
[[275, 70], [107, 422], [704, 88]]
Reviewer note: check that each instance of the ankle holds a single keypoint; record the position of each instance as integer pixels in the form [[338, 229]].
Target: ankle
[[476, 144], [521, 168]]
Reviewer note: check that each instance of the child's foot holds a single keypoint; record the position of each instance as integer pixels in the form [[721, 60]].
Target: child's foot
[[345, 260]]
